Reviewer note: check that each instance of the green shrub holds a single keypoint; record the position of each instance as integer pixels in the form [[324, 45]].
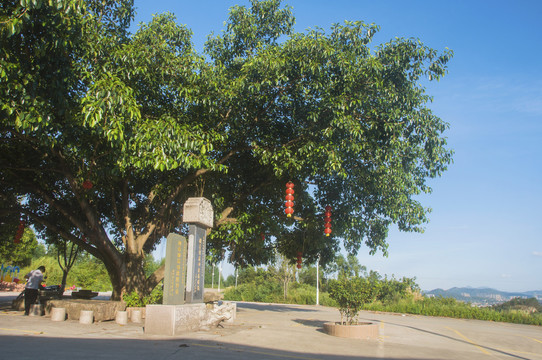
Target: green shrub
[[450, 307], [527, 305], [133, 299], [326, 300], [262, 292], [272, 292], [302, 294], [350, 293]]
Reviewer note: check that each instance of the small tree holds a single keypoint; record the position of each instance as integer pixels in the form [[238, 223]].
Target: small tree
[[17, 254], [350, 293], [283, 272], [66, 255]]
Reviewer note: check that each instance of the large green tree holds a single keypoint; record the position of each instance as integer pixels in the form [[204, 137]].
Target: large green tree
[[105, 134]]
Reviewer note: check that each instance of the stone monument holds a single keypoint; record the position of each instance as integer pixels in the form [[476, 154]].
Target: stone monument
[[184, 310], [198, 213], [175, 270]]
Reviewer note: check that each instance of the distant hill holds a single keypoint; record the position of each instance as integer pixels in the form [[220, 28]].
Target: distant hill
[[482, 296]]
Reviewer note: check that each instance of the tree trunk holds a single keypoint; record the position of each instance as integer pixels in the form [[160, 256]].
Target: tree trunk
[[129, 277], [286, 282], [64, 277], [115, 276], [155, 278], [135, 278]]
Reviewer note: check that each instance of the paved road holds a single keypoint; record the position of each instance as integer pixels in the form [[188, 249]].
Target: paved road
[[270, 331]]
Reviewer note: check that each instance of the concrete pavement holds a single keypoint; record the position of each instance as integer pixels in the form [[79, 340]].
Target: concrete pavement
[[271, 331]]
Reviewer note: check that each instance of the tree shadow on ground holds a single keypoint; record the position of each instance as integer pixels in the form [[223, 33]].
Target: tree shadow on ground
[[42, 347], [310, 322], [272, 307], [317, 324]]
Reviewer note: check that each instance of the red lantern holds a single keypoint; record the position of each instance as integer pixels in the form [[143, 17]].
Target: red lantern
[[327, 221], [87, 184], [289, 199], [20, 232], [299, 259]]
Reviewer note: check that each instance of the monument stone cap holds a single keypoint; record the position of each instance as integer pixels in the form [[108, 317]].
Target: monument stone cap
[[198, 210]]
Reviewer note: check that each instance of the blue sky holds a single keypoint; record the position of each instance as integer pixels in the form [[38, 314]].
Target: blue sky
[[486, 224]]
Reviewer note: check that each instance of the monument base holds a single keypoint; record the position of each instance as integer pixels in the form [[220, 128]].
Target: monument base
[[177, 319]]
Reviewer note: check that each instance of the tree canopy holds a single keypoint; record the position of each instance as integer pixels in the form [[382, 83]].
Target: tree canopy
[[105, 134]]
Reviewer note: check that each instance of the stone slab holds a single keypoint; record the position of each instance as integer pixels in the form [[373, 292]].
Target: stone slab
[[104, 310], [175, 270], [195, 275], [211, 296]]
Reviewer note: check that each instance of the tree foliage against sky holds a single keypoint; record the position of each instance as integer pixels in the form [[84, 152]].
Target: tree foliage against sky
[[105, 134]]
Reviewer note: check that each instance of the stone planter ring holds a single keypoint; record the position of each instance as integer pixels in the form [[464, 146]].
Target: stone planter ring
[[365, 330]]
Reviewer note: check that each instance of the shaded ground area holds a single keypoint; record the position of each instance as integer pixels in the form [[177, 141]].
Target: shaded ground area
[[272, 331]]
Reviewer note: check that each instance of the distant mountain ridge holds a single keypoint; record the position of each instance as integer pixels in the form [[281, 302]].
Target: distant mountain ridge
[[482, 296]]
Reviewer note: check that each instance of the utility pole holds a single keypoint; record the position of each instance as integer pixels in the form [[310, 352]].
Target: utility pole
[[317, 280], [219, 275], [213, 277]]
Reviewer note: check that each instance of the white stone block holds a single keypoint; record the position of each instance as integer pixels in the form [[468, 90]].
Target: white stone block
[[58, 314], [198, 211], [121, 317], [86, 317], [136, 316]]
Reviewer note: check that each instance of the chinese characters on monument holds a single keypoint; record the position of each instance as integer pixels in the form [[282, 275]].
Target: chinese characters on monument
[[185, 263]]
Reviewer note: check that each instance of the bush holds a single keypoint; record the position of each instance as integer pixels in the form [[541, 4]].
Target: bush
[[133, 299], [450, 307], [265, 292], [272, 292], [530, 305], [350, 293]]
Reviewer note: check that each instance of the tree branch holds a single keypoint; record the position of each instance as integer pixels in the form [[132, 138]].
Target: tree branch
[[155, 278], [66, 235], [101, 238], [152, 225]]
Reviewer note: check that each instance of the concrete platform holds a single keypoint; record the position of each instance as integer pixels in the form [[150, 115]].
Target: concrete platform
[[272, 331]]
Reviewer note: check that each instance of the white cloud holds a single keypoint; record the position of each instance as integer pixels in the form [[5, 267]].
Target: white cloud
[[502, 94], [537, 253]]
